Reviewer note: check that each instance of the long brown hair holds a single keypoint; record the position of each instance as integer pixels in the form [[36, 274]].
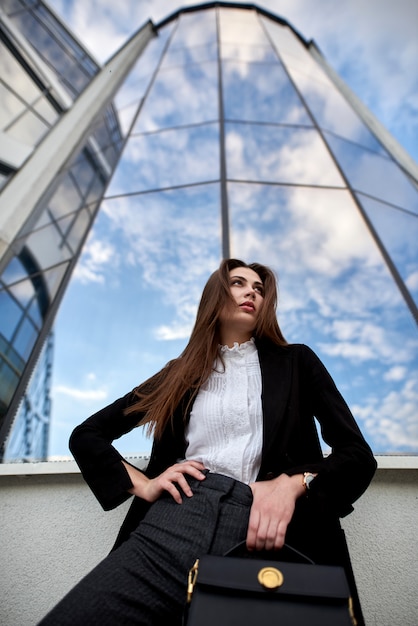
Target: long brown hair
[[158, 397]]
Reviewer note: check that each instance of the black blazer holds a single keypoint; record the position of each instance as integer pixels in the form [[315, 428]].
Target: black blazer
[[296, 387]]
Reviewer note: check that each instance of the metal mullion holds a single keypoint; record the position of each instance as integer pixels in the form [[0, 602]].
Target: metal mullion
[[147, 133], [161, 189], [226, 249]]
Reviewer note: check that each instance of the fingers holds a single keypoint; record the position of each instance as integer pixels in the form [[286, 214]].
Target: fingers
[[271, 511], [174, 478], [253, 525], [265, 534]]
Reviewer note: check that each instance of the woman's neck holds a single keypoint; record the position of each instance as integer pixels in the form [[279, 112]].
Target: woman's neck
[[230, 339]]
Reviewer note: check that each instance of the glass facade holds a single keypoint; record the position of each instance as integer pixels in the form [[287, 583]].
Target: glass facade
[[244, 146], [28, 439], [238, 143], [42, 257]]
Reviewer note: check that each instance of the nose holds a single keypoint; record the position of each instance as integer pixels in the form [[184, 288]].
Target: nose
[[251, 292]]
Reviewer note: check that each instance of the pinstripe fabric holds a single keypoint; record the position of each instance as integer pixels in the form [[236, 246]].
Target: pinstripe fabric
[[144, 581]]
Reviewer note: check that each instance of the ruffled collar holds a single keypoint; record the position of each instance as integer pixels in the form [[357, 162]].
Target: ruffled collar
[[238, 348]]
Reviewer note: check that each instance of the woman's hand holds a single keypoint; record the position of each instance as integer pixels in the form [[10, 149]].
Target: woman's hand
[[272, 509], [150, 489]]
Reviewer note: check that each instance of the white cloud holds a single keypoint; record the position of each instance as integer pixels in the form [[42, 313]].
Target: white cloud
[[83, 395], [96, 256], [348, 350], [412, 281], [396, 373], [392, 419], [176, 331], [360, 340]]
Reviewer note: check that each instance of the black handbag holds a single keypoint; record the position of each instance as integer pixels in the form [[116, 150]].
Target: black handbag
[[230, 591]]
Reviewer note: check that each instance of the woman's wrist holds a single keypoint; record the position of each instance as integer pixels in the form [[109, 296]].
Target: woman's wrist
[[138, 480], [297, 482], [292, 484]]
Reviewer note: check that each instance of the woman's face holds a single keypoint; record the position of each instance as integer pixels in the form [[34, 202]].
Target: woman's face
[[247, 291]]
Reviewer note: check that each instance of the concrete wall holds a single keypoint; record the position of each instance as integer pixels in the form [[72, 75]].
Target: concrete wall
[[52, 532]]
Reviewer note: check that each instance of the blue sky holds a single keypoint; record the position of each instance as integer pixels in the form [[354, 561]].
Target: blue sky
[[121, 302]]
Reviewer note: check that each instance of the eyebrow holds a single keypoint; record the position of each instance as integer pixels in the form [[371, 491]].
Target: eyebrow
[[256, 282]]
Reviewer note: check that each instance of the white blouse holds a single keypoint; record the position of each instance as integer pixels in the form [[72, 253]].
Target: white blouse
[[225, 431]]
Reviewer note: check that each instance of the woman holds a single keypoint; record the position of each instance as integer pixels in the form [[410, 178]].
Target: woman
[[236, 457]]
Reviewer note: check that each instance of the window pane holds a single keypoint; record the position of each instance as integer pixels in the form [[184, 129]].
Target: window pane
[[47, 246], [78, 229], [11, 107], [292, 51], [279, 154], [46, 110], [94, 193], [9, 382], [374, 175], [23, 292], [82, 172], [167, 159], [241, 27], [332, 112], [66, 199], [398, 231], [13, 272], [12, 73], [10, 314], [180, 96], [195, 29], [262, 93], [25, 339], [28, 129]]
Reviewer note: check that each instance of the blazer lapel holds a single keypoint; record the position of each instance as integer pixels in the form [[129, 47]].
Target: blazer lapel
[[275, 364]]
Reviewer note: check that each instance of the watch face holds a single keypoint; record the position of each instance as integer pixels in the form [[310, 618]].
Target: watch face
[[308, 479]]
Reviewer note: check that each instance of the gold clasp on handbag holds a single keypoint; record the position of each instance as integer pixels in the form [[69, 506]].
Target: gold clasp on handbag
[[270, 578], [191, 581]]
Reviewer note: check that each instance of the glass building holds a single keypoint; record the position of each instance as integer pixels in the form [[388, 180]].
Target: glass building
[[238, 140], [43, 71]]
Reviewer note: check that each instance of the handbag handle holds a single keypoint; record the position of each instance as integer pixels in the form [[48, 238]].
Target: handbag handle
[[242, 544]]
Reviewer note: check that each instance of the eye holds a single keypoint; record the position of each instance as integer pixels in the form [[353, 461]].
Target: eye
[[259, 289], [236, 281]]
